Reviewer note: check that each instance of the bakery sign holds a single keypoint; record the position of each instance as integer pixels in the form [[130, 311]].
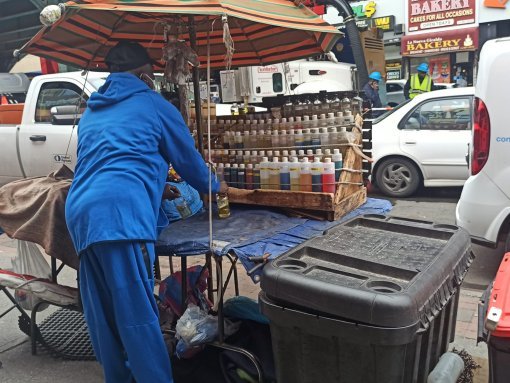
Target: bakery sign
[[457, 40], [430, 14]]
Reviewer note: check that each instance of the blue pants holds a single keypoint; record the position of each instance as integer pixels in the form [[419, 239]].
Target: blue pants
[[121, 312]]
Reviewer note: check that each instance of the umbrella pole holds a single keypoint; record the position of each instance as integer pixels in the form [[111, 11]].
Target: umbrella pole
[[196, 86]]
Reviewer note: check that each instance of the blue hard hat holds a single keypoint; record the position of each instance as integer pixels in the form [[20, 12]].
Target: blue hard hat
[[423, 67], [375, 76]]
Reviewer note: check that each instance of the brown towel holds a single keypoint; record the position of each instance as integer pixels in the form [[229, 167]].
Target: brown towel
[[33, 209]]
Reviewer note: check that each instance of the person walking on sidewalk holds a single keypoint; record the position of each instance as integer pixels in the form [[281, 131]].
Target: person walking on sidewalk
[[127, 137], [419, 82]]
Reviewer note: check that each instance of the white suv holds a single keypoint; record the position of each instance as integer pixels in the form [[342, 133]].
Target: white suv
[[484, 206]]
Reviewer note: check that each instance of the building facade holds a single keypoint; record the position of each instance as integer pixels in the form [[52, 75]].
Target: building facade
[[446, 34]]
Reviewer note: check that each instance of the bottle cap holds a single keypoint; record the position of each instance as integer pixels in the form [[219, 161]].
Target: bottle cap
[[327, 160], [227, 165], [264, 159], [285, 159], [284, 132], [253, 152], [292, 152], [314, 117], [285, 153], [246, 132], [305, 159], [330, 115], [318, 151], [276, 120], [306, 118], [309, 151], [275, 159], [221, 165], [301, 152], [235, 165], [323, 116], [275, 132], [277, 153], [298, 118], [284, 120], [336, 151], [327, 152], [249, 166], [269, 153], [262, 153], [242, 166], [257, 166], [295, 159], [316, 160], [324, 130], [239, 152]]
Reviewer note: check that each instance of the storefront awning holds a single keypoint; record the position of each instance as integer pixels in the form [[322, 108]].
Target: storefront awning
[[426, 44]]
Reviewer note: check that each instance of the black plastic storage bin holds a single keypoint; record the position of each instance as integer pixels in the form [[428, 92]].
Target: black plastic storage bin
[[371, 301]]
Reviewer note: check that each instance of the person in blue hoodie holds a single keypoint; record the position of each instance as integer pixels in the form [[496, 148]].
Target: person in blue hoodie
[[127, 137]]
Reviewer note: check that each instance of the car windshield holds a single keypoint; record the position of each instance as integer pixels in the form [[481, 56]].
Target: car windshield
[[389, 112]]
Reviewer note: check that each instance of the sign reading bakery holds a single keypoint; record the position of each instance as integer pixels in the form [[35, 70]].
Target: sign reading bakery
[[456, 40], [430, 14]]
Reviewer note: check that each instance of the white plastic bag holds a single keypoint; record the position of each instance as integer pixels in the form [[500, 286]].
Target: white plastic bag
[[30, 261]]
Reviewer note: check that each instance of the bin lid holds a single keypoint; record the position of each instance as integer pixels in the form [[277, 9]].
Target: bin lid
[[378, 270], [498, 313]]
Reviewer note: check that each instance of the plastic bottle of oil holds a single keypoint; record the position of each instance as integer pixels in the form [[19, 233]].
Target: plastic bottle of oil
[[317, 170], [284, 174], [294, 170], [274, 174], [305, 177], [264, 173]]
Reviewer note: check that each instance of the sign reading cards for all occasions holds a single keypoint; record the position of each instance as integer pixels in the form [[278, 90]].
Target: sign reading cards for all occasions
[[465, 39], [429, 14]]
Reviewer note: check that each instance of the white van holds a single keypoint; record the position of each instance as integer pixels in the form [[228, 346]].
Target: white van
[[484, 206]]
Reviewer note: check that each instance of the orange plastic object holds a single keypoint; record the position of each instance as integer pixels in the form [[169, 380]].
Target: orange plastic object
[[11, 113], [495, 3], [500, 299]]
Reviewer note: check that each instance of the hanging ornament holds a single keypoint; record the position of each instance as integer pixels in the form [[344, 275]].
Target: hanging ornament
[[229, 42], [51, 14]]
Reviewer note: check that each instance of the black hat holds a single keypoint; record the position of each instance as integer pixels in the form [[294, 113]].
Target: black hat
[[126, 56]]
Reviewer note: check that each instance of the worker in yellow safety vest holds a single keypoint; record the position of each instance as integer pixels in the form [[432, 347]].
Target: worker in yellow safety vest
[[419, 82]]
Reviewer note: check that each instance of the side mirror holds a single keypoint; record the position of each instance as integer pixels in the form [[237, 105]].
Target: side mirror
[[412, 124], [65, 115]]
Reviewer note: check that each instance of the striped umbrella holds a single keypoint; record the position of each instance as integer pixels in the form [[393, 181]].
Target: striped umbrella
[[263, 31]]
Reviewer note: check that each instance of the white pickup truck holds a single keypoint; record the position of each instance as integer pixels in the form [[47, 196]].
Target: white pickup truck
[[40, 137]]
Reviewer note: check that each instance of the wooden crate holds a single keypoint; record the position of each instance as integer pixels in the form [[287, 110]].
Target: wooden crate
[[349, 195]]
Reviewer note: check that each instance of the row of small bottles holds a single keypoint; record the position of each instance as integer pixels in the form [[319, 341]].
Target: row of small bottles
[[314, 137], [295, 175], [221, 125], [301, 106], [246, 157]]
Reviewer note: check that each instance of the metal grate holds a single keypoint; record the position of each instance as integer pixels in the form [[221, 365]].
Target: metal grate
[[64, 334]]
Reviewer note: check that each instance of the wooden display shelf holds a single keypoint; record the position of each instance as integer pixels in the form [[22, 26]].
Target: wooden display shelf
[[350, 194]]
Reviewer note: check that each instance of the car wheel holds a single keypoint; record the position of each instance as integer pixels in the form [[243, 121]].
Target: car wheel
[[398, 177]]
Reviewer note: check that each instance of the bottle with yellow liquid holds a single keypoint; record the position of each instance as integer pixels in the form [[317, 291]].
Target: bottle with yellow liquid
[[223, 206]]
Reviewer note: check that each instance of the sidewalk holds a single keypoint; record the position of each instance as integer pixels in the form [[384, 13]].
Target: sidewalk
[[19, 366]]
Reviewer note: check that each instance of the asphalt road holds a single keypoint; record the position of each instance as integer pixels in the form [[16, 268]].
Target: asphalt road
[[438, 205]]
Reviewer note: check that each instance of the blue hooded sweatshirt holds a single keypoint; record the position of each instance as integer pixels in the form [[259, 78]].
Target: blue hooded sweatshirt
[[126, 139]]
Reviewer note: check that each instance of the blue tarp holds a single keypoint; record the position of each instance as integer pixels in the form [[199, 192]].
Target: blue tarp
[[250, 231]]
